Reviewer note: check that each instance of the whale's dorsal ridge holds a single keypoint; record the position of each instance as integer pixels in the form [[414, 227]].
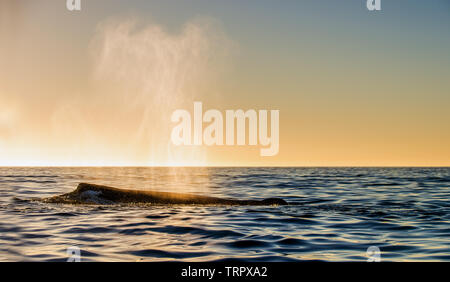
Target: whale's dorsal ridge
[[274, 201], [87, 193]]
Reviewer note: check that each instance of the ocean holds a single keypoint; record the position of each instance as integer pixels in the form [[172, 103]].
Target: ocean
[[335, 214]]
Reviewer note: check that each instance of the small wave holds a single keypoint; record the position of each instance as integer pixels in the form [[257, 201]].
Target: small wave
[[291, 242], [154, 253], [244, 244], [88, 230], [209, 233]]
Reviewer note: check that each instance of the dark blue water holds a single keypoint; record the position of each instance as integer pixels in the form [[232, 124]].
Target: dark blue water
[[338, 214]]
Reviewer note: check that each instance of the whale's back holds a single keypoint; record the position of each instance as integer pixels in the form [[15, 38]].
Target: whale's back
[[87, 193]]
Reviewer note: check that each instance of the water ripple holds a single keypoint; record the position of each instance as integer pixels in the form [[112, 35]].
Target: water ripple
[[335, 215]]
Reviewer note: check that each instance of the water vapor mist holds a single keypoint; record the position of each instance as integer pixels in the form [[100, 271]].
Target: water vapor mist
[[147, 72]]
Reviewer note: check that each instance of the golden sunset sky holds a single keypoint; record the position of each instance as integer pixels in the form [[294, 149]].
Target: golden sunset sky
[[97, 87]]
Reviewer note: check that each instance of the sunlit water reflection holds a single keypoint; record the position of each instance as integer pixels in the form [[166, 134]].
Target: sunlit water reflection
[[339, 213]]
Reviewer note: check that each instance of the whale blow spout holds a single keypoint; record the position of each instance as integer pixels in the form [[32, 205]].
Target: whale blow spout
[[87, 193]]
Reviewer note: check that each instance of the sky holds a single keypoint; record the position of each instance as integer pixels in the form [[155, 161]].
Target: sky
[[97, 87]]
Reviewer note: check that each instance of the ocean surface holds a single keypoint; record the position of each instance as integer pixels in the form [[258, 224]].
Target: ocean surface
[[336, 215]]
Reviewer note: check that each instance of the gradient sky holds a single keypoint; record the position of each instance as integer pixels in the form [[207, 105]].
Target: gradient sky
[[354, 88]]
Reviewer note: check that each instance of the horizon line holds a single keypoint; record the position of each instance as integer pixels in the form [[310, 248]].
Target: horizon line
[[224, 166]]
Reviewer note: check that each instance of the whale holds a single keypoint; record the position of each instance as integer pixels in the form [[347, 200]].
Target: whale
[[87, 193]]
